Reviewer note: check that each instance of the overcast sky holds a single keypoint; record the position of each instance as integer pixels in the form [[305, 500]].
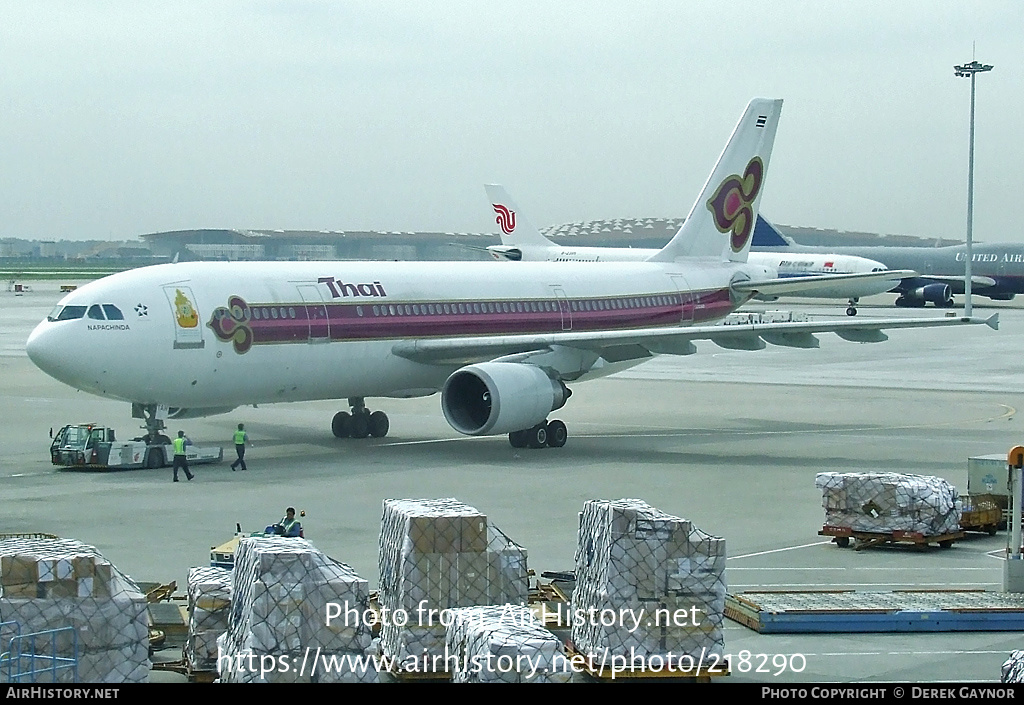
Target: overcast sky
[[122, 117]]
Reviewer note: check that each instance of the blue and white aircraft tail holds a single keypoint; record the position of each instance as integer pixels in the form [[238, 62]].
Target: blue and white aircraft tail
[[767, 235]]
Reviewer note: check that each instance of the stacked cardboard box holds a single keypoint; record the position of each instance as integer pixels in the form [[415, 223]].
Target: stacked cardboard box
[[209, 609], [504, 644], [648, 584], [50, 583], [884, 502], [279, 631], [435, 555]]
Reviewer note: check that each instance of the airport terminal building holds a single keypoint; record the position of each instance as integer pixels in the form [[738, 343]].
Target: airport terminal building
[[299, 245], [382, 245]]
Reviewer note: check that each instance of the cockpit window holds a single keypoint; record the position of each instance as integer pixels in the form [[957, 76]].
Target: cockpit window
[[67, 313], [113, 312], [99, 312]]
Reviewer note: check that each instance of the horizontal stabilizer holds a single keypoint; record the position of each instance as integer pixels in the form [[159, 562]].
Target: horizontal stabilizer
[[512, 254], [795, 285]]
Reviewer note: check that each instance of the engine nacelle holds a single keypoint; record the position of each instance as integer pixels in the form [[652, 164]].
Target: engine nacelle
[[938, 294], [500, 397]]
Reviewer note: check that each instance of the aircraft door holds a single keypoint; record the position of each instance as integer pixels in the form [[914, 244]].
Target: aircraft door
[[563, 307], [316, 313], [687, 299], [187, 331]]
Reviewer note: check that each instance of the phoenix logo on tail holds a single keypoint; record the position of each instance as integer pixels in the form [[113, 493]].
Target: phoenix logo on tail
[[506, 219], [731, 204]]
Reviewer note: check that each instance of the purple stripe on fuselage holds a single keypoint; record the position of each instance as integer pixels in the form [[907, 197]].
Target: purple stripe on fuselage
[[372, 320]]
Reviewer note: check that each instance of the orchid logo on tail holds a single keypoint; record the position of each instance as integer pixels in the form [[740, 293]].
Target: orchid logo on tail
[[506, 219], [731, 204]]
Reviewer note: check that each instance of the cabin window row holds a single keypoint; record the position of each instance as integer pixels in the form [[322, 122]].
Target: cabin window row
[[519, 306]]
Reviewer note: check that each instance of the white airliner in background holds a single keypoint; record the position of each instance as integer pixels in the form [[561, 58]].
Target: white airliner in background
[[521, 241], [499, 343]]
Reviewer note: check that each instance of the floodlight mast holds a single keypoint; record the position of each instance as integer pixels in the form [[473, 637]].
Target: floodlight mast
[[965, 71]]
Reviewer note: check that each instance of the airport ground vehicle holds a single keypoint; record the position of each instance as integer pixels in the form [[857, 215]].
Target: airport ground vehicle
[[981, 513], [223, 556], [90, 445]]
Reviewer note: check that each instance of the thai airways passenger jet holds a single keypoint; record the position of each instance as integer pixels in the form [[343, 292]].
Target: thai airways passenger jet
[[500, 345], [850, 277]]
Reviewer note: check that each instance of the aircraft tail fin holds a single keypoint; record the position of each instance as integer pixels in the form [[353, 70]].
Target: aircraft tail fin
[[767, 235], [516, 228], [721, 222]]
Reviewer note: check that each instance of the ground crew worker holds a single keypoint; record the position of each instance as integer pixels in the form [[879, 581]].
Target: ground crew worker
[[241, 438], [288, 526], [180, 461]]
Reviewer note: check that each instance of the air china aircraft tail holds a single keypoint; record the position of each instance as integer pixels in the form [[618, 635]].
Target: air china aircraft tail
[[729, 201], [516, 229]]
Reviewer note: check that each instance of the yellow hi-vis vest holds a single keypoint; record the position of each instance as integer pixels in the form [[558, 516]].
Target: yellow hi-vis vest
[[239, 438], [179, 446]]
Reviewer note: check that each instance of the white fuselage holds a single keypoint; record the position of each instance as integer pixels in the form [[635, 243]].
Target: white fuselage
[[219, 335], [783, 265]]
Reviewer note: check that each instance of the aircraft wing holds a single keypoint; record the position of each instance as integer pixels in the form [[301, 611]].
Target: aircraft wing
[[621, 345], [796, 285], [976, 280]]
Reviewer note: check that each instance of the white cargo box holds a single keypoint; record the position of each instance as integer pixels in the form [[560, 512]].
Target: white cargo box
[[987, 474]]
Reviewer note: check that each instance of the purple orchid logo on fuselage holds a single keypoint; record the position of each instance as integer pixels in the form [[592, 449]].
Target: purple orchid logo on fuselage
[[232, 324], [731, 204]]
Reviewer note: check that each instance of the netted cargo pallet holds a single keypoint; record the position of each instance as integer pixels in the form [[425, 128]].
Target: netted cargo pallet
[[883, 503], [650, 591], [49, 584], [844, 536], [437, 555], [504, 644], [841, 611]]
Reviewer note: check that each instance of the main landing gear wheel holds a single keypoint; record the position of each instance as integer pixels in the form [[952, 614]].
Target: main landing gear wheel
[[360, 423], [341, 424], [551, 435], [537, 437], [557, 434]]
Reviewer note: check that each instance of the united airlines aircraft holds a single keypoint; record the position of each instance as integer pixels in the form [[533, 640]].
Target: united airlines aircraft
[[500, 344], [997, 269]]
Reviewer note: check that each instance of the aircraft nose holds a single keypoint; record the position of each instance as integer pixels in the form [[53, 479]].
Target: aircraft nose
[[44, 349]]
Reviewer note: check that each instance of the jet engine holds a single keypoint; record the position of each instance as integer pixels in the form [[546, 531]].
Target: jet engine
[[500, 397], [938, 294]]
